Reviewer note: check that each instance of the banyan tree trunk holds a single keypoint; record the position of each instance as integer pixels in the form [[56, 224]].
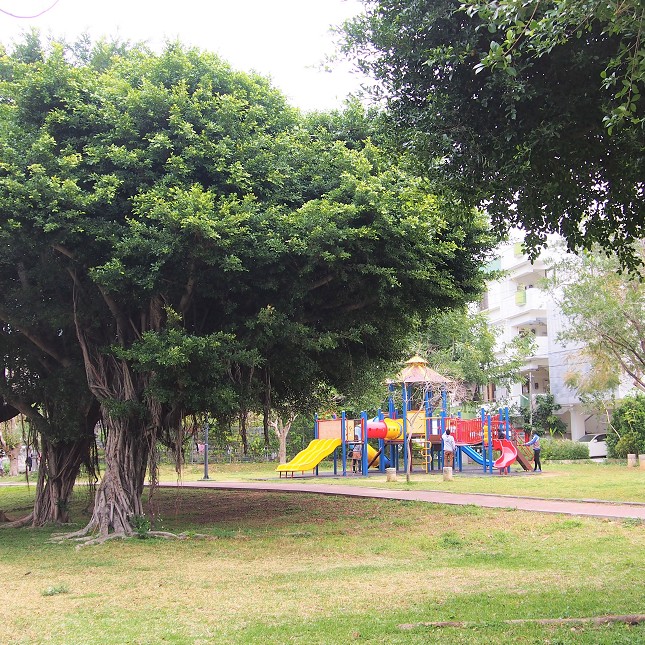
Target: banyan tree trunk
[[13, 454], [118, 496], [60, 465]]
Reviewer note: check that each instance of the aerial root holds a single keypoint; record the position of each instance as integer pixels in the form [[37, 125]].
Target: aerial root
[[167, 535], [86, 532], [17, 524], [86, 537], [100, 539], [627, 619]]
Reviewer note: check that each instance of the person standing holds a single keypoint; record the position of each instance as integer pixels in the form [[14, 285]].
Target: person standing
[[535, 443], [449, 447], [357, 455]]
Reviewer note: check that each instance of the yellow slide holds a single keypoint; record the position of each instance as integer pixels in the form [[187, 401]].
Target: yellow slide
[[311, 456]]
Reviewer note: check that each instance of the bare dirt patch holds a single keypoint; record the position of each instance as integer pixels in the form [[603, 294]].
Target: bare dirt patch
[[254, 508]]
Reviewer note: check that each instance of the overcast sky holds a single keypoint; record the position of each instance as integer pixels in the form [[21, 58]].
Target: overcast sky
[[284, 39]]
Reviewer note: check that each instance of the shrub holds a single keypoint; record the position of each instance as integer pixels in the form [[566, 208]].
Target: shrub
[[629, 443], [543, 415], [563, 449], [628, 421], [141, 525]]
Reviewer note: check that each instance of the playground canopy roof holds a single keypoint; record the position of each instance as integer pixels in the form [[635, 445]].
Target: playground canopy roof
[[417, 371]]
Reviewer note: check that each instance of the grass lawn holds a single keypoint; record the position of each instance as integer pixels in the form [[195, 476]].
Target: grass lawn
[[288, 568], [579, 480]]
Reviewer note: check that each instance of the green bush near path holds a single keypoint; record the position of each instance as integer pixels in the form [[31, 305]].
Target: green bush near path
[[561, 449], [288, 568]]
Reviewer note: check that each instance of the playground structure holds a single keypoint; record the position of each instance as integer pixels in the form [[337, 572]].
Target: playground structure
[[415, 424]]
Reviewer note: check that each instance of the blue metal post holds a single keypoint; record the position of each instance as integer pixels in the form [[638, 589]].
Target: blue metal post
[[507, 426], [444, 409], [490, 442], [482, 415], [405, 428]]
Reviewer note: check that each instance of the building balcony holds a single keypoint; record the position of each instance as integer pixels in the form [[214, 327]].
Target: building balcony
[[522, 302], [541, 347]]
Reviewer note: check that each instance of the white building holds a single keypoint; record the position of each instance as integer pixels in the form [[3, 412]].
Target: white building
[[516, 304]]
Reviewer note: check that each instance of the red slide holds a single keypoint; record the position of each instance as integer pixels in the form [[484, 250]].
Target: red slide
[[509, 453]]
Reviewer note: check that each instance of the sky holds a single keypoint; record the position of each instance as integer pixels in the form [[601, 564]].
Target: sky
[[286, 40]]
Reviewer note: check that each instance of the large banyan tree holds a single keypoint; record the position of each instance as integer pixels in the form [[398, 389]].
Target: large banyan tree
[[205, 231]]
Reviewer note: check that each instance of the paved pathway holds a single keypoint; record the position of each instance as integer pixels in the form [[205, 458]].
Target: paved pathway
[[594, 508]]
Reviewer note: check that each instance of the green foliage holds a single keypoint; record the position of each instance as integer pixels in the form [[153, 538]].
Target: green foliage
[[185, 367], [10, 436], [536, 28], [604, 311], [628, 421], [210, 248], [629, 444], [545, 421], [462, 345], [141, 525], [532, 144], [561, 449]]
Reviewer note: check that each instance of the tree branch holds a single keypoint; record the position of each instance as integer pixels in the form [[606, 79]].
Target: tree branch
[[61, 249], [36, 339], [187, 296]]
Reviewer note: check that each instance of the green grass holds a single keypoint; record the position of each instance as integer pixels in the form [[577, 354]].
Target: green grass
[[291, 568], [611, 481]]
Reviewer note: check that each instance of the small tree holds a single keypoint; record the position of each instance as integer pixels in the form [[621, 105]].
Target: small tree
[[462, 345], [543, 418], [282, 426], [605, 313]]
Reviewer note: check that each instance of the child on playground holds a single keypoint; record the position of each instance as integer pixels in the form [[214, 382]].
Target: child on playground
[[449, 447], [357, 454]]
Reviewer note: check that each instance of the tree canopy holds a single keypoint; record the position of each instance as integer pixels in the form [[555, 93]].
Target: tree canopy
[[531, 146], [538, 27], [604, 311], [211, 240]]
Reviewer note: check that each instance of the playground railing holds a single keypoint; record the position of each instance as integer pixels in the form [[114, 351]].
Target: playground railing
[[467, 431], [473, 431]]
